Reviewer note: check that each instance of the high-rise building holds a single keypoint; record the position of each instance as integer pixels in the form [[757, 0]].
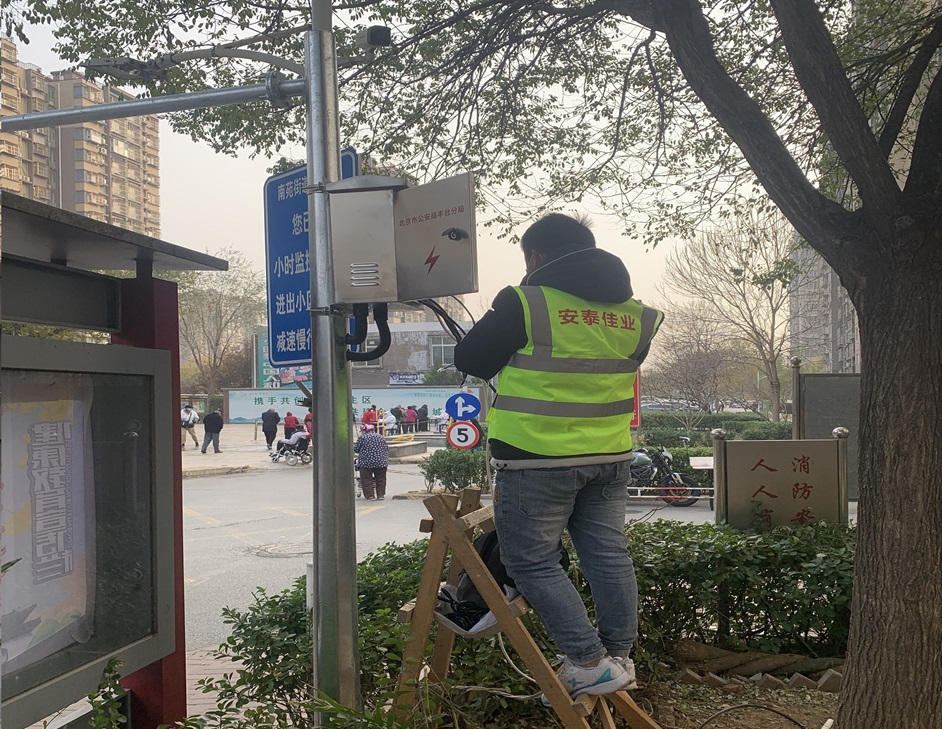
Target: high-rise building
[[106, 170], [28, 164], [823, 325]]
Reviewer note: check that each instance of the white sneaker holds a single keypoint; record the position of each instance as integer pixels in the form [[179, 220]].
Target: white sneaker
[[606, 677], [629, 666]]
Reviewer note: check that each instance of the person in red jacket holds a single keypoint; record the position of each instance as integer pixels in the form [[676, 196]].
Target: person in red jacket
[[411, 418], [370, 416], [291, 424]]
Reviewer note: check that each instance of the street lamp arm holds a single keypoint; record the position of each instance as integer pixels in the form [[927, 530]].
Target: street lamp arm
[[172, 59]]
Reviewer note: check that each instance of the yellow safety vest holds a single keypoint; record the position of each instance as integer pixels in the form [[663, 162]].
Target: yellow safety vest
[[569, 390]]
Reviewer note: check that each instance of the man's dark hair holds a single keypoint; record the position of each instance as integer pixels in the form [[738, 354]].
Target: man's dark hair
[[555, 235]]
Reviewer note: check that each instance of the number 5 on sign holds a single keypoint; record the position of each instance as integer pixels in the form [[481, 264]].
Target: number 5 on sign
[[463, 435]]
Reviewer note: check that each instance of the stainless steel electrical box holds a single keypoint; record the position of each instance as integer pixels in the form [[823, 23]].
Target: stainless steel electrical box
[[393, 243]]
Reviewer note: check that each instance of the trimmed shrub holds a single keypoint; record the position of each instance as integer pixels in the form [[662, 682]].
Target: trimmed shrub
[[766, 431], [454, 470], [785, 590], [665, 429]]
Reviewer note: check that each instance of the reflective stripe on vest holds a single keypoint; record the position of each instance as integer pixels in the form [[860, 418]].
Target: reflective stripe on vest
[[564, 392], [567, 409]]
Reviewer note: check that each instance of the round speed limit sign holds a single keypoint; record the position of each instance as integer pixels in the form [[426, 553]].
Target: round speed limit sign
[[463, 435]]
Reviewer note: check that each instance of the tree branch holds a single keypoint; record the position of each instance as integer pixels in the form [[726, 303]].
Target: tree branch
[[910, 85], [821, 75], [925, 171], [814, 216]]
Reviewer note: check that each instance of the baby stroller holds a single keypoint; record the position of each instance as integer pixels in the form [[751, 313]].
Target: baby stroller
[[295, 451]]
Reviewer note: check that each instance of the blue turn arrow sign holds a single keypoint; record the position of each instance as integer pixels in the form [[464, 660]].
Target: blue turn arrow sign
[[463, 406]]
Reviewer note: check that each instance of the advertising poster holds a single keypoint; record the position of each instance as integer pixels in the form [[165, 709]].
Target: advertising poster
[[46, 515], [386, 398], [406, 378], [246, 406]]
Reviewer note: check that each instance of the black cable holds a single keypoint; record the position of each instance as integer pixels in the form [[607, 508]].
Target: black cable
[[750, 706], [452, 327], [381, 318], [467, 310]]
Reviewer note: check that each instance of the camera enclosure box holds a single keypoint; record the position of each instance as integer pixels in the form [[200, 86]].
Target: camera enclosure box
[[396, 243]]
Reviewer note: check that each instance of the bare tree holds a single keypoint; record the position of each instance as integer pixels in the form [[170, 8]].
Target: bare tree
[[741, 273], [218, 314], [695, 361]]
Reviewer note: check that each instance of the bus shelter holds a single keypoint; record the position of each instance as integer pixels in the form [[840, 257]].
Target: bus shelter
[[91, 500]]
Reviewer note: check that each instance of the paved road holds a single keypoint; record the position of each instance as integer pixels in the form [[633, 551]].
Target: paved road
[[255, 529]]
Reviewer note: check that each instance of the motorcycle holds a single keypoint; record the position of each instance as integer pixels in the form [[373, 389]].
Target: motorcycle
[[652, 475]]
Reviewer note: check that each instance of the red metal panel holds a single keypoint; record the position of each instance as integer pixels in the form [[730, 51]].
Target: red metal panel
[[149, 320]]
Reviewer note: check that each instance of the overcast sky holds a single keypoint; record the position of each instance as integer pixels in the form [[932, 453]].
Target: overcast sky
[[210, 201]]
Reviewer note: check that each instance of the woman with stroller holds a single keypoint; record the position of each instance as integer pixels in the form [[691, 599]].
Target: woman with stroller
[[372, 461]]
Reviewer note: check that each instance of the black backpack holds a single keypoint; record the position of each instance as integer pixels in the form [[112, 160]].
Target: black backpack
[[465, 604]]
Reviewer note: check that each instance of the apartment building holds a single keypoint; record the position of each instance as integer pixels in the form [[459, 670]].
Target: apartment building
[[823, 321], [28, 161], [107, 170]]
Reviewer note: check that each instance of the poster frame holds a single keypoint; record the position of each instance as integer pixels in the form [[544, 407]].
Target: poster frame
[[23, 353]]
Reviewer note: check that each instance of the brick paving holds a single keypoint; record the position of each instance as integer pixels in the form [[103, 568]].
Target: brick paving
[[201, 664]]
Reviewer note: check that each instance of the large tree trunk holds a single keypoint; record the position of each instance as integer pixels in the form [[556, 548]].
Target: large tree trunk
[[894, 671]]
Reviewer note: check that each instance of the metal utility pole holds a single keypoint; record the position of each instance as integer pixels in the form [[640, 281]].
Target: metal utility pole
[[334, 545], [334, 550]]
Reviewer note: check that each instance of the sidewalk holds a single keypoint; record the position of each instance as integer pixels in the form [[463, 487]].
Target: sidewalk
[[243, 449], [200, 664]]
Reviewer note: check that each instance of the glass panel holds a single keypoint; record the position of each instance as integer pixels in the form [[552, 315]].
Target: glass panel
[[77, 476]]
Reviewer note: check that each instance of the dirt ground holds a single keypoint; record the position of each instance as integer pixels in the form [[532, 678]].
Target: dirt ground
[[679, 706]]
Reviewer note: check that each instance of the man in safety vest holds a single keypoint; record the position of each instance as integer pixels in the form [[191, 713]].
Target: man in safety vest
[[567, 343]]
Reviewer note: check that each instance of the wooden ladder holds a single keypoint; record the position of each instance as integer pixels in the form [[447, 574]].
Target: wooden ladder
[[451, 526]]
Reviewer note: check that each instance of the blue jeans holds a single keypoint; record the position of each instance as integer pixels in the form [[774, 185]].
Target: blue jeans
[[531, 509], [211, 438]]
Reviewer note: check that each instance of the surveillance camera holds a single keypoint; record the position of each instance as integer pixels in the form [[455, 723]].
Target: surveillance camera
[[455, 234], [375, 36]]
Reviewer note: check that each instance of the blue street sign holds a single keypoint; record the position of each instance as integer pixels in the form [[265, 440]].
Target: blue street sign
[[288, 264], [463, 406]]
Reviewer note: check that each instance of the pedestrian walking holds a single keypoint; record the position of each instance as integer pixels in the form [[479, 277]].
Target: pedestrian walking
[[270, 420], [372, 462], [188, 420], [560, 439], [212, 425]]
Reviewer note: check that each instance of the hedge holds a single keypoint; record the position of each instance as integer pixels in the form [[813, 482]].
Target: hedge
[[785, 590], [666, 429]]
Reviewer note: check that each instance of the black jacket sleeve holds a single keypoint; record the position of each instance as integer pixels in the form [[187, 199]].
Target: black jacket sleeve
[[493, 340]]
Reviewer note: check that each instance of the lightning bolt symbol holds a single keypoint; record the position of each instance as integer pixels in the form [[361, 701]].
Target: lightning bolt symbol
[[431, 261]]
